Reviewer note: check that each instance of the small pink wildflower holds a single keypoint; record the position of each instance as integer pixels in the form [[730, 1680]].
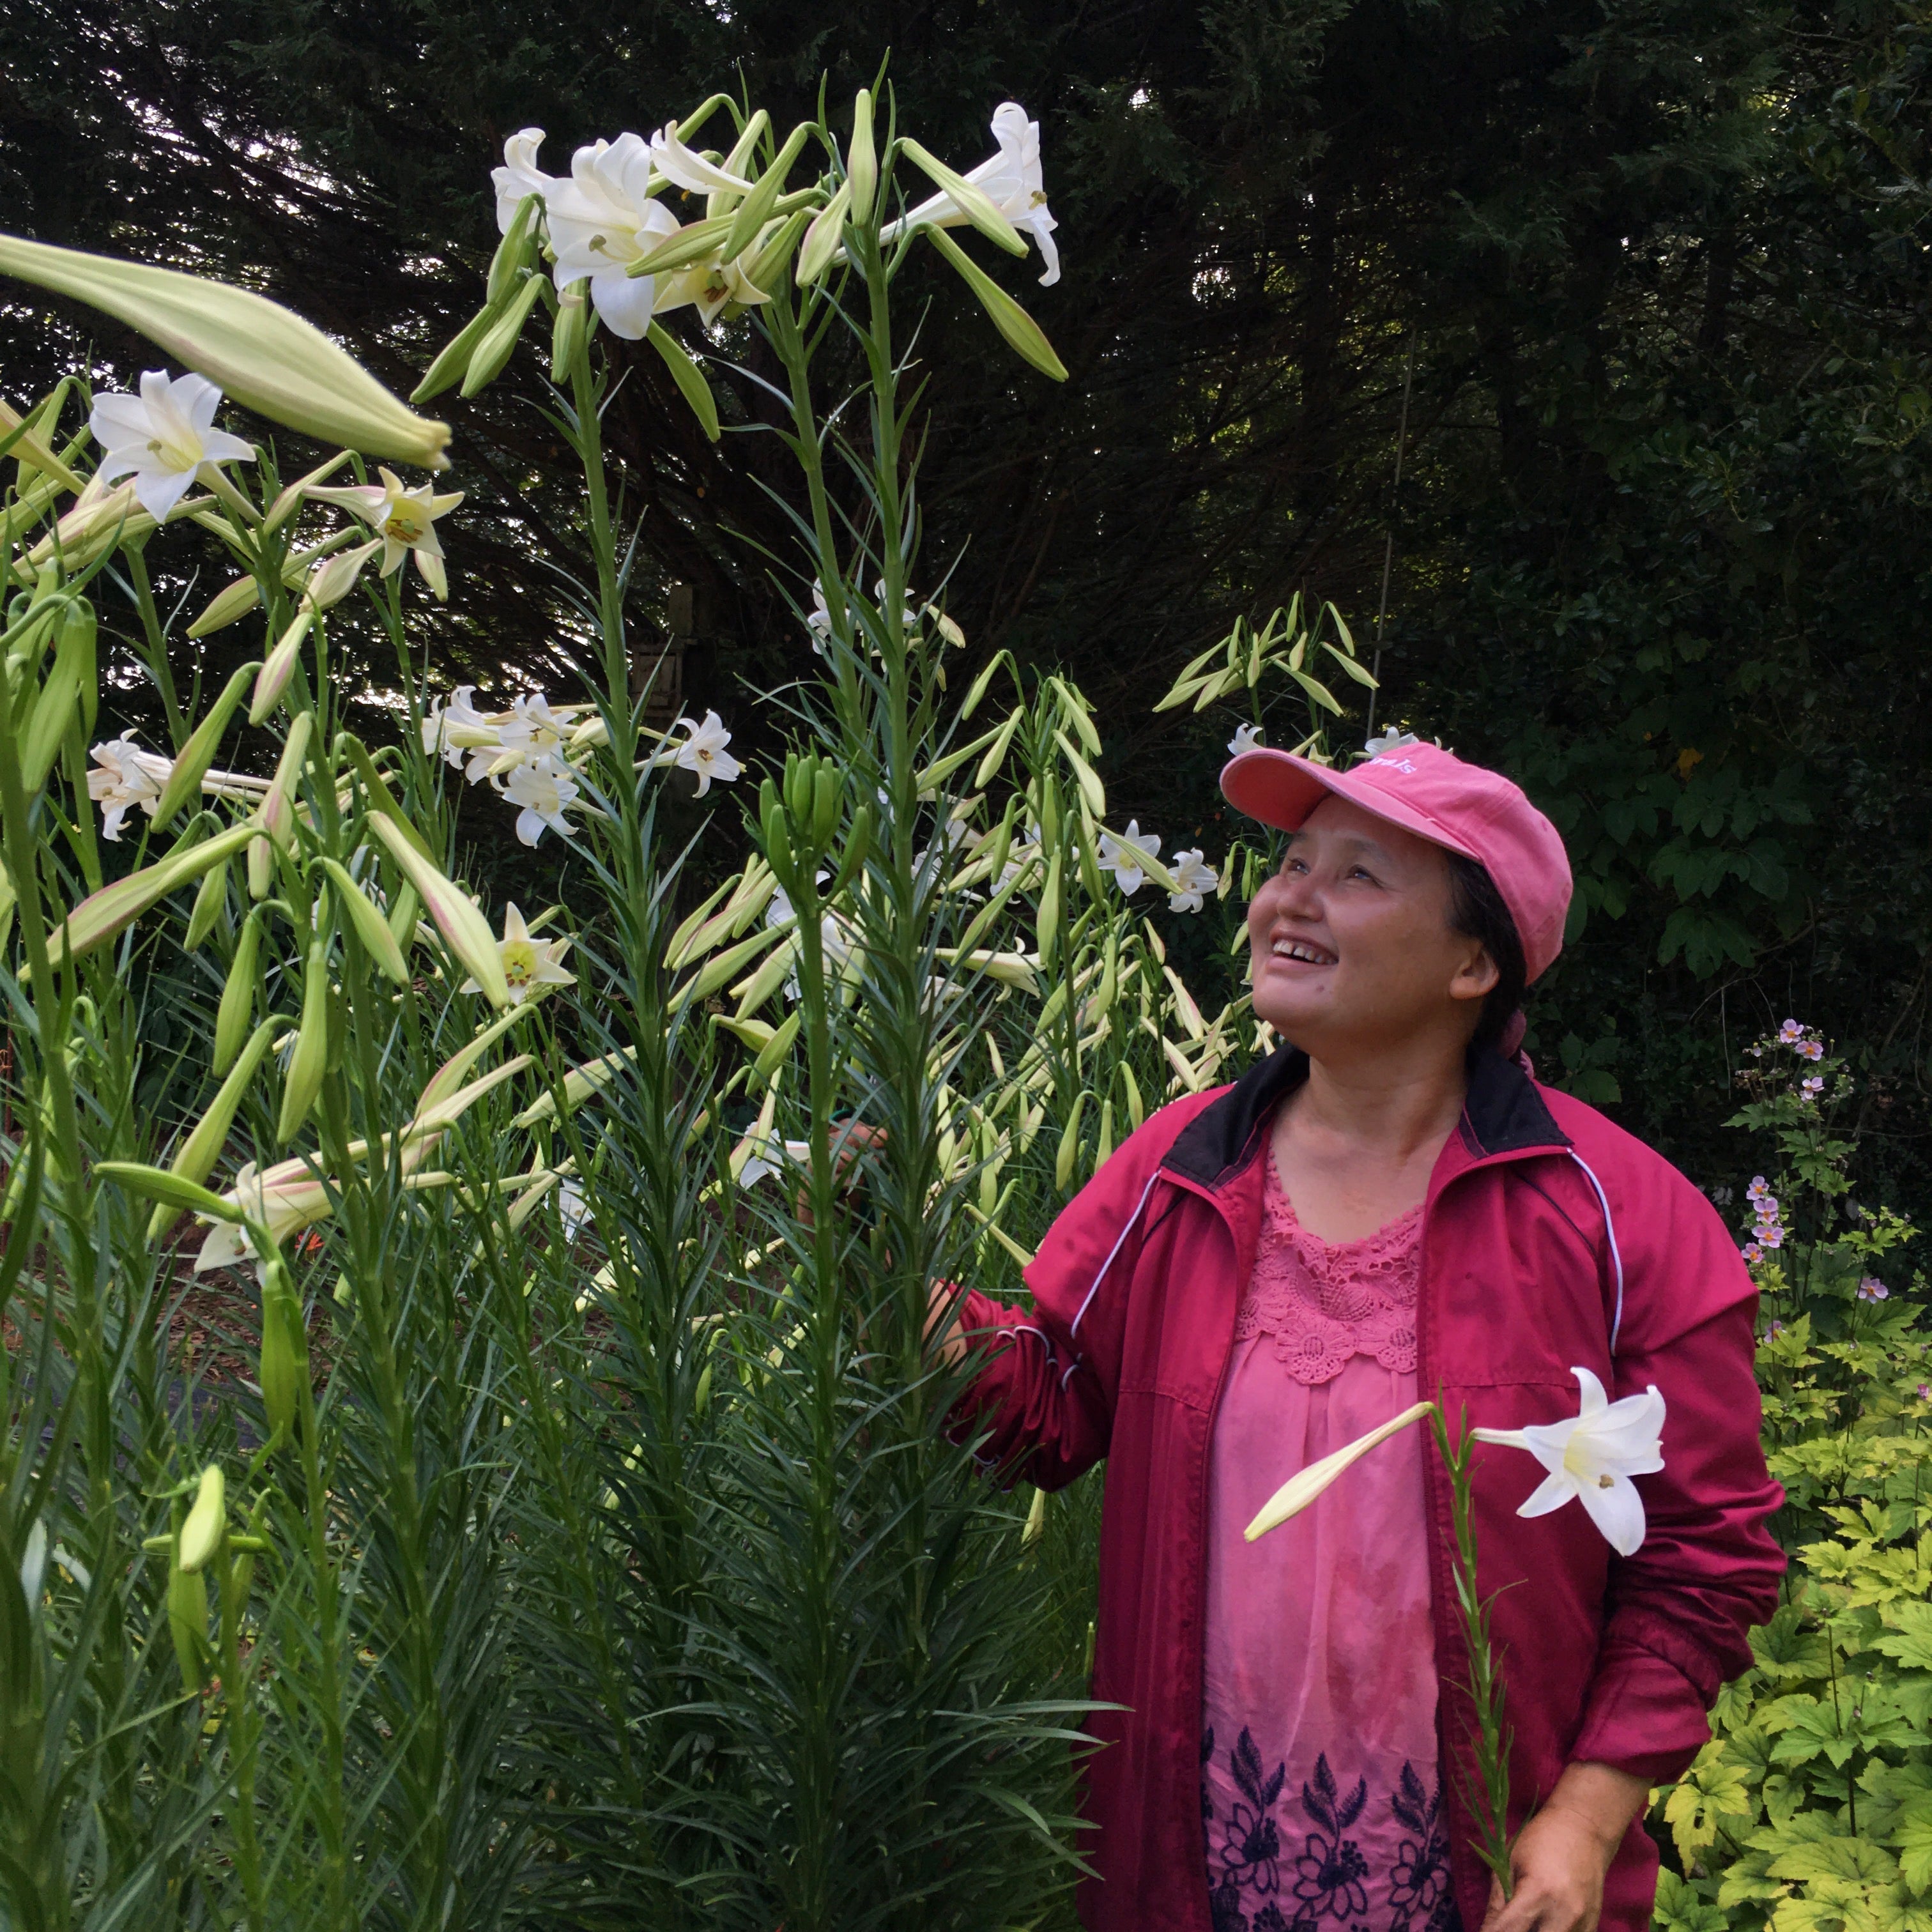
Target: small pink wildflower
[[1812, 1084], [1872, 1289], [1811, 1049], [1790, 1033], [1925, 1391], [1759, 1188], [1770, 1234], [1752, 1254], [1776, 1328]]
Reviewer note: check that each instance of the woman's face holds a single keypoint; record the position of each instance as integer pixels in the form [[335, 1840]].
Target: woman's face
[[1350, 941]]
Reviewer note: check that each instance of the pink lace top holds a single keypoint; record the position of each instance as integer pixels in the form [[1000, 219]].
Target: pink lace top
[[1322, 1304], [1319, 1795]]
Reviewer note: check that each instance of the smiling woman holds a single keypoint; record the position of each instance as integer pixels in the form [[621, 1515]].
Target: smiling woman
[[1389, 1206]]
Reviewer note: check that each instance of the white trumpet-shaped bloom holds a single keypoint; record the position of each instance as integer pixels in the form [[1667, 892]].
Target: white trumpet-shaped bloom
[[123, 776], [1125, 854], [703, 751], [405, 519], [1012, 180], [545, 788], [1194, 878], [601, 220], [530, 965], [1245, 739], [1592, 1455], [685, 167], [165, 437], [519, 176]]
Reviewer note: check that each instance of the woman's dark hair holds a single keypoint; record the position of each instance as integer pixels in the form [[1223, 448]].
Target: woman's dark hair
[[1477, 911]]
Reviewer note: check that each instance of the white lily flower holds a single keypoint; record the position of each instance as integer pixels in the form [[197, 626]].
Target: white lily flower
[[456, 729], [703, 751], [602, 219], [544, 787], [1390, 740], [288, 1198], [572, 1209], [767, 1155], [1011, 179], [1245, 739], [1192, 879], [533, 726], [519, 176], [1124, 855], [686, 168], [818, 619], [165, 436], [1592, 1455], [530, 965], [404, 519], [125, 776]]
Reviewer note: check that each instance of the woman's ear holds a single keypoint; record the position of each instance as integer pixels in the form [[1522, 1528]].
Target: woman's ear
[[1476, 976]]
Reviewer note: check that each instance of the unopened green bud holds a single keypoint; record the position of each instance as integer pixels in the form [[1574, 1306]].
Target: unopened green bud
[[207, 1522], [198, 754], [822, 238], [284, 1356], [195, 1161], [453, 363], [570, 332], [516, 248], [499, 340], [210, 902], [1069, 1144], [187, 1625], [71, 686], [238, 996], [862, 157], [310, 1059]]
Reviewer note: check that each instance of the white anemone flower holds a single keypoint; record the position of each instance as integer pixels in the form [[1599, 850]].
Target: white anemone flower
[[530, 965], [685, 167], [1592, 1455], [544, 787], [601, 220], [404, 519], [1125, 855], [1247, 738], [1193, 879], [519, 176], [703, 751], [124, 775], [1012, 180], [165, 436]]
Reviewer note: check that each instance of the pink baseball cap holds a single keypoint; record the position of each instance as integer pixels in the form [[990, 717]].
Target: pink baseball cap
[[1432, 792]]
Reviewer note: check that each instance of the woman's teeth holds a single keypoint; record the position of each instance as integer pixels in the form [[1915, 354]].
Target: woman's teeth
[[1300, 949]]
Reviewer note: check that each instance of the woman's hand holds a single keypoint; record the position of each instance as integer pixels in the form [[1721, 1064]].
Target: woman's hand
[[1563, 1852]]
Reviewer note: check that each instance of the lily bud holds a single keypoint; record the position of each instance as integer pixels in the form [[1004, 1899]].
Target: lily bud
[[227, 606], [1069, 1144], [333, 579], [310, 1061], [264, 357], [822, 238], [375, 938], [277, 816], [261, 868], [465, 931], [744, 152], [1047, 928], [516, 248], [499, 340], [284, 1356], [195, 1160], [187, 1625], [1301, 1488], [198, 754], [862, 157], [1024, 335], [685, 373], [101, 916], [70, 690], [754, 210], [210, 902], [207, 1522], [238, 995], [280, 666], [569, 332], [452, 363], [971, 201]]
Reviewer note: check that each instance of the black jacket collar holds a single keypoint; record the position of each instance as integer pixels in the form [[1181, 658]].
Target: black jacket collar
[[1503, 1114]]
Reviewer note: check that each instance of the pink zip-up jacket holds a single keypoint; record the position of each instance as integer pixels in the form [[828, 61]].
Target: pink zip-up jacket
[[1550, 1238]]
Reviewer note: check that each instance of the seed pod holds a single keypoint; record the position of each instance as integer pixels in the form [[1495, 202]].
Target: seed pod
[[207, 1522], [310, 1061], [238, 996]]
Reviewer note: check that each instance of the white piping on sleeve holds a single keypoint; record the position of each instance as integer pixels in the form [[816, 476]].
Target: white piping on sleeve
[[1120, 1242], [1616, 1254]]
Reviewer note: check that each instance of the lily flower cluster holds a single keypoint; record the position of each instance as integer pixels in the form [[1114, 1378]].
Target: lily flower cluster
[[126, 775], [533, 753], [1126, 856], [606, 218]]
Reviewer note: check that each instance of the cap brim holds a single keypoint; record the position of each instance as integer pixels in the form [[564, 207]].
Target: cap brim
[[1281, 790]]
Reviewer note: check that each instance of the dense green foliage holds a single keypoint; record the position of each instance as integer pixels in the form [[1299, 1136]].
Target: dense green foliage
[[1646, 281]]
